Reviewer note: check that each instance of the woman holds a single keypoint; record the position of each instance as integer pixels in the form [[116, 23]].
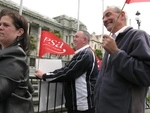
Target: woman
[[15, 96]]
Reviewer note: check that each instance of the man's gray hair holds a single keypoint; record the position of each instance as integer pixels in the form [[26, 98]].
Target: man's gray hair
[[87, 34], [117, 9]]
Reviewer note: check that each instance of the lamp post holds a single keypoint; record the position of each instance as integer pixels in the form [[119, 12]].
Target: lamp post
[[138, 19]]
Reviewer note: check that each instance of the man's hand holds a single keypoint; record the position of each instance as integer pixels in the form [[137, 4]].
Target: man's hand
[[39, 73], [109, 44]]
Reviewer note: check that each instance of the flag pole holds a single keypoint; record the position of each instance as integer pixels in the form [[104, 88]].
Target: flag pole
[[20, 8], [38, 43], [78, 15], [102, 14]]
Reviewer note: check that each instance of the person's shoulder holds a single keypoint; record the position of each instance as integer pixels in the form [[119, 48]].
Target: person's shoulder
[[133, 31], [13, 50], [141, 32], [85, 51], [88, 51]]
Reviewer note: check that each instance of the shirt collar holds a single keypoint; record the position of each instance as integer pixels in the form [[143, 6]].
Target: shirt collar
[[120, 30], [86, 46]]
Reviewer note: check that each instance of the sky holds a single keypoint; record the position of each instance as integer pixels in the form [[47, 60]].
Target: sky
[[90, 11]]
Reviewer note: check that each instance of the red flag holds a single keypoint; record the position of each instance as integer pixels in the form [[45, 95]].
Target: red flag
[[50, 43], [132, 1], [99, 62]]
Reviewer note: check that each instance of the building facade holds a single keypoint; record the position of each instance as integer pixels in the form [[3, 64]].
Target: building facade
[[63, 24]]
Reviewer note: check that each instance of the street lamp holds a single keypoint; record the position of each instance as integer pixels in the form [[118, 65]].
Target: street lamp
[[138, 19]]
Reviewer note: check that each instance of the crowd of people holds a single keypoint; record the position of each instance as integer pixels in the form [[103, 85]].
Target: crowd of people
[[120, 86]]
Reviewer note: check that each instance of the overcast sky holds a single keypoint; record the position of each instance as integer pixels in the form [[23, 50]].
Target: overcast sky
[[90, 11]]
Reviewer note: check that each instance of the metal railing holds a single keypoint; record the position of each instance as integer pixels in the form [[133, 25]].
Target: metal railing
[[48, 96]]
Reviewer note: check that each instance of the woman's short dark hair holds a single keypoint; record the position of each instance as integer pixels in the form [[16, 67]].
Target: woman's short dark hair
[[19, 22]]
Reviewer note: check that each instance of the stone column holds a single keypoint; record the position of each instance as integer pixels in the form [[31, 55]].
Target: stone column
[[38, 40]]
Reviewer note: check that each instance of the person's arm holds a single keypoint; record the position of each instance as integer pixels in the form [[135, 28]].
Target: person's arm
[[13, 70], [30, 87], [6, 88], [75, 68], [134, 66]]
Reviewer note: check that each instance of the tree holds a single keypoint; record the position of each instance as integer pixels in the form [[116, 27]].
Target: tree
[[58, 34], [33, 43], [98, 53]]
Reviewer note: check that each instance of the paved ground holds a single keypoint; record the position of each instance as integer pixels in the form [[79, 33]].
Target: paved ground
[[147, 111]]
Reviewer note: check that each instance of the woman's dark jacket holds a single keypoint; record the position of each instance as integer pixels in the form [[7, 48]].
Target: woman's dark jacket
[[14, 81]]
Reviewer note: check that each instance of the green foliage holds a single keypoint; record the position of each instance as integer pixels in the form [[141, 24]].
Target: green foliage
[[58, 34], [98, 53], [72, 45], [33, 43], [148, 101]]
